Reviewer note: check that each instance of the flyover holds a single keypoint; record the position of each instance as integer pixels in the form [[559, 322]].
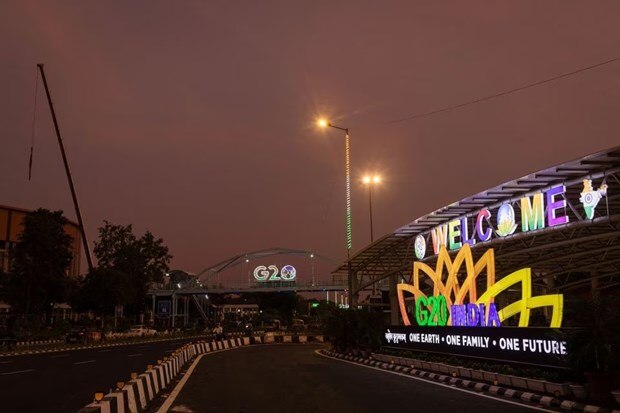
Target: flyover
[[565, 227]]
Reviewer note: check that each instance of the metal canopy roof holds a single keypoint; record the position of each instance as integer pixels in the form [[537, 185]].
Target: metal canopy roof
[[562, 253]]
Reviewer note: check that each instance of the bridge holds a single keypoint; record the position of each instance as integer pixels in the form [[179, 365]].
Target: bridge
[[184, 287]]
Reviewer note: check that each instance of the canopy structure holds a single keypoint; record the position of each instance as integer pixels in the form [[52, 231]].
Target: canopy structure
[[580, 250]]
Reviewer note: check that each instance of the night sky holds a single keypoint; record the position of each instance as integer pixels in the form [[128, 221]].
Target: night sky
[[195, 119]]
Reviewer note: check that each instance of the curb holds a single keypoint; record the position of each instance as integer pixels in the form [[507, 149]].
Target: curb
[[522, 396], [136, 394], [108, 344]]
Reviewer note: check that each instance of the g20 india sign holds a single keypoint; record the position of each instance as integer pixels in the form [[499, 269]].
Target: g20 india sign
[[470, 320], [272, 273]]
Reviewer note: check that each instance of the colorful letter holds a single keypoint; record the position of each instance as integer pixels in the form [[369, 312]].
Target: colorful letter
[[453, 232], [440, 237], [465, 233], [553, 205], [421, 313], [532, 217], [458, 315], [486, 235], [493, 320], [472, 315]]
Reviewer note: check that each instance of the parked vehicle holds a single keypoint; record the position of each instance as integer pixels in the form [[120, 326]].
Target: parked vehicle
[[298, 324], [76, 335], [272, 325], [141, 331]]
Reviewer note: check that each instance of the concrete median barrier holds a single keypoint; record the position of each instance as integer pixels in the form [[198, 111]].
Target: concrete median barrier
[[136, 395]]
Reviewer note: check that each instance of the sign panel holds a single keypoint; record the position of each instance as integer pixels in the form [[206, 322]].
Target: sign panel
[[164, 308], [529, 213], [540, 346], [272, 273]]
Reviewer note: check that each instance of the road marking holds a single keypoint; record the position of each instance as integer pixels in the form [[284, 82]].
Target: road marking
[[104, 351], [174, 393], [5, 362], [60, 355], [84, 362], [438, 384], [16, 372], [134, 355]]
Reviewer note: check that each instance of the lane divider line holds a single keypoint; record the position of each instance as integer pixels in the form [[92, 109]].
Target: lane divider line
[[16, 372], [85, 362], [436, 383]]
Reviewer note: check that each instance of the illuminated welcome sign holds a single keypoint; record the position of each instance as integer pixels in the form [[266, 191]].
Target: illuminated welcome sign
[[450, 293], [545, 209], [272, 273]]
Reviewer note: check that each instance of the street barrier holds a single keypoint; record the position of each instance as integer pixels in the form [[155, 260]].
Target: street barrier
[[135, 395]]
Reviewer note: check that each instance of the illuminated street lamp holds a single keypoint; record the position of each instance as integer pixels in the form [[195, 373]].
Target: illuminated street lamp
[[324, 123], [370, 182]]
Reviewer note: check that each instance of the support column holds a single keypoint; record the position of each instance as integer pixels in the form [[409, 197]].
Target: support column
[[394, 307], [174, 309], [594, 284], [186, 312], [353, 297]]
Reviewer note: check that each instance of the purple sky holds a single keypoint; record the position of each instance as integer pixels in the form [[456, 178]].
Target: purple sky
[[195, 119]]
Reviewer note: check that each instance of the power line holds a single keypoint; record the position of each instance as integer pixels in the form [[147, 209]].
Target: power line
[[504, 93]]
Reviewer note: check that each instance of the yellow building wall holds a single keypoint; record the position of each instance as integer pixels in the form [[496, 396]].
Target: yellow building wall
[[11, 226]]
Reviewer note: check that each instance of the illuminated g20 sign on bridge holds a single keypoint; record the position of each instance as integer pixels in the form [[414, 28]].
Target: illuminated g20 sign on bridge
[[272, 273]]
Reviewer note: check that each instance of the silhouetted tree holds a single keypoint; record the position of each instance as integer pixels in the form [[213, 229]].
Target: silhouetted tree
[[39, 262], [141, 260]]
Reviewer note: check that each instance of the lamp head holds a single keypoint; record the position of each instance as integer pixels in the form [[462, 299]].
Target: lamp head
[[376, 179], [323, 123], [366, 180]]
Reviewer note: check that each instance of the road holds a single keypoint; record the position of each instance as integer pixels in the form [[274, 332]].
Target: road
[[65, 381], [292, 378]]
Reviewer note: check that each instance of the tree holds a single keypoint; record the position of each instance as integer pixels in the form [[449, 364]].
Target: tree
[[39, 262], [142, 260], [103, 289]]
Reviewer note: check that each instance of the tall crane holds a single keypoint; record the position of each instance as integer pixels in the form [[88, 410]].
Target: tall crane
[[89, 258]]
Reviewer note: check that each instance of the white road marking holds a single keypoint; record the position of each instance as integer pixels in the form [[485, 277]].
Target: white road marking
[[174, 393], [438, 384], [5, 362], [134, 355], [84, 362], [16, 372]]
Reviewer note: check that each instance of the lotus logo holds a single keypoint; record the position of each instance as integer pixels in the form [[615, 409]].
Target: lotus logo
[[590, 197], [460, 279]]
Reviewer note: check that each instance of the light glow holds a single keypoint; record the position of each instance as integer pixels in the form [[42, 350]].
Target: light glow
[[323, 123]]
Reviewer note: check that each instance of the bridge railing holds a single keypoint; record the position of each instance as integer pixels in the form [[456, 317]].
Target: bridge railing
[[252, 286]]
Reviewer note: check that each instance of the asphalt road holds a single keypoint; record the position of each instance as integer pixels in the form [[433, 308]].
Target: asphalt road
[[65, 381], [292, 378]]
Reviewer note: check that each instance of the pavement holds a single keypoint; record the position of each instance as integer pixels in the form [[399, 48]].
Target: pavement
[[294, 378], [65, 381]]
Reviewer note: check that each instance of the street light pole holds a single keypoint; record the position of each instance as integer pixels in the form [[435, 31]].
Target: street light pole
[[347, 165], [372, 238], [370, 182]]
